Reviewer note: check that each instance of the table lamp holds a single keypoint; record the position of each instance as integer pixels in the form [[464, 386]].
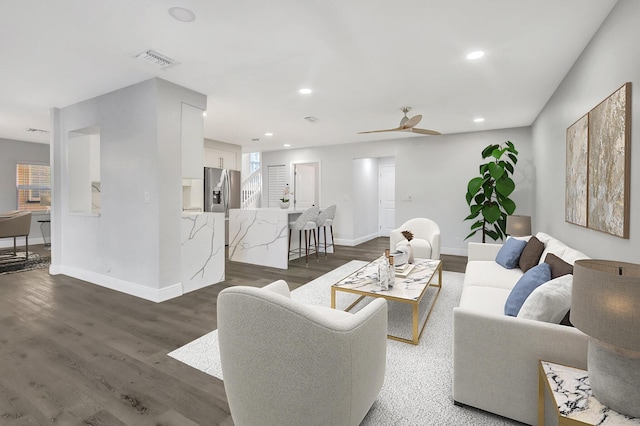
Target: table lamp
[[605, 304], [518, 226]]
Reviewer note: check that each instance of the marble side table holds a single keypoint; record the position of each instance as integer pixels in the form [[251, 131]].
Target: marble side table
[[574, 402]]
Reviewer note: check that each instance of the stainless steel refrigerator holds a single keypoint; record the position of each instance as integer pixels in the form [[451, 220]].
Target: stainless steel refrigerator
[[221, 193]]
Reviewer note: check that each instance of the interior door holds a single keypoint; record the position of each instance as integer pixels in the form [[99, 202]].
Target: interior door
[[387, 195], [305, 191]]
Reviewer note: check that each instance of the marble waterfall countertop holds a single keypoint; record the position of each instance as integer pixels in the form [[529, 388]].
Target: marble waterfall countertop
[[260, 236], [202, 249]]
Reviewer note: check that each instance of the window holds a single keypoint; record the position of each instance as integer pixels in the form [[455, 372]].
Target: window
[[33, 184], [254, 162]]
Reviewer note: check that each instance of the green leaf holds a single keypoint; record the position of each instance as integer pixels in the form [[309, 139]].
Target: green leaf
[[471, 234], [509, 206], [491, 212], [478, 224], [473, 215], [488, 150], [480, 198], [469, 197], [497, 153], [474, 185], [505, 186], [496, 171], [484, 168], [513, 158], [492, 234], [509, 167]]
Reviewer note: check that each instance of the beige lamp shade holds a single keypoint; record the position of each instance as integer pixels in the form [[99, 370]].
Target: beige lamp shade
[[518, 226], [605, 301]]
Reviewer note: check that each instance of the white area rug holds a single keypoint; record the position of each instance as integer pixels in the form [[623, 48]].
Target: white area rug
[[417, 388]]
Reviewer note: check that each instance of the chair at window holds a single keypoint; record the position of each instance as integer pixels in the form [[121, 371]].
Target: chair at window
[[306, 222], [325, 219], [15, 224]]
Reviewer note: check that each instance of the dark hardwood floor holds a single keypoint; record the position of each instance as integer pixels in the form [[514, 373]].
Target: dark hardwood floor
[[74, 353]]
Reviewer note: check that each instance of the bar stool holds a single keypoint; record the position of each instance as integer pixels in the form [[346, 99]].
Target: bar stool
[[306, 222], [325, 219]]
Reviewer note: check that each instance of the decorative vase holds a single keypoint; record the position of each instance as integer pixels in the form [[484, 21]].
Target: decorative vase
[[284, 204], [410, 253]]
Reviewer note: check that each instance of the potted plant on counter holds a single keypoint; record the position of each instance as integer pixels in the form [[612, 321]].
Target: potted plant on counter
[[284, 201]]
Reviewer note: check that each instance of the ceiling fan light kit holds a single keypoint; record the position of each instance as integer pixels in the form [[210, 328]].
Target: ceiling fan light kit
[[407, 125]]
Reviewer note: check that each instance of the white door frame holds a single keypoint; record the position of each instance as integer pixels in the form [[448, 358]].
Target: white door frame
[[383, 230]]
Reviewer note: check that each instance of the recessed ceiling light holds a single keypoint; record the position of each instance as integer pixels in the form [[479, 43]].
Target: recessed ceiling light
[[268, 134], [286, 145], [204, 113], [311, 119], [475, 55], [182, 14], [478, 120], [305, 91]]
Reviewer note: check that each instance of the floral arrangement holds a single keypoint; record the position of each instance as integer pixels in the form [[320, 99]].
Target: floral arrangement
[[285, 195]]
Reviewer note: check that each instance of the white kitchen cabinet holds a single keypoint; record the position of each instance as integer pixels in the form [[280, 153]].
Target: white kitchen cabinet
[[220, 159], [192, 139]]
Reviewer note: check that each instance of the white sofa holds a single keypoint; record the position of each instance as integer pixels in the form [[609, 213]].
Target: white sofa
[[495, 357]]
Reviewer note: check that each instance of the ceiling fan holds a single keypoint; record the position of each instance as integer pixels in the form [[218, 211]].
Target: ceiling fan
[[407, 125]]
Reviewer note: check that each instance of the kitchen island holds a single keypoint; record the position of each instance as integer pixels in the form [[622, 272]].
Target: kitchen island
[[260, 236], [202, 249]]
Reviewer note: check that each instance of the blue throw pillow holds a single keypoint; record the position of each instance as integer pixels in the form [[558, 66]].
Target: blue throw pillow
[[509, 254], [531, 280]]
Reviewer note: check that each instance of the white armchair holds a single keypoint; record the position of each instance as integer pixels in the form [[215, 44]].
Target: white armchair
[[426, 238], [287, 363]]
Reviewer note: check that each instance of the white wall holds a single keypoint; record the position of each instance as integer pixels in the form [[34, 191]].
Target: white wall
[[134, 244], [609, 60], [433, 170], [12, 152]]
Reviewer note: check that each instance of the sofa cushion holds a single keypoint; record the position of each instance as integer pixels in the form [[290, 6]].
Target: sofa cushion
[[558, 266], [531, 279], [487, 273], [550, 302], [560, 249], [510, 252], [488, 300], [531, 254]]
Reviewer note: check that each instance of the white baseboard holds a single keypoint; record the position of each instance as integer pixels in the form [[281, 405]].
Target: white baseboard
[[133, 289]]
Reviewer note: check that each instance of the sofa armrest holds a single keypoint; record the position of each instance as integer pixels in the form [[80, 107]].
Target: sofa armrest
[[483, 251], [495, 360]]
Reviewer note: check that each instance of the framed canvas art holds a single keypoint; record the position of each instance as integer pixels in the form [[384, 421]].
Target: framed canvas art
[[576, 176]]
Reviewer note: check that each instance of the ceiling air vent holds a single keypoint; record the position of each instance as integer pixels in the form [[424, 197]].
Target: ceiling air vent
[[33, 130], [156, 58]]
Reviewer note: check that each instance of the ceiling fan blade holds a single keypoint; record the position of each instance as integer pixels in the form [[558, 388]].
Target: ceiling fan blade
[[424, 131], [413, 121], [380, 131]]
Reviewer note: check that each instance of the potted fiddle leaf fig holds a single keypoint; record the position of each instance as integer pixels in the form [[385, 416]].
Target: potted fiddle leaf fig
[[488, 194]]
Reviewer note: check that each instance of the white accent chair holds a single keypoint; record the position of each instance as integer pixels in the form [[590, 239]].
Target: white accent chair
[[325, 220], [306, 222], [426, 238], [287, 363]]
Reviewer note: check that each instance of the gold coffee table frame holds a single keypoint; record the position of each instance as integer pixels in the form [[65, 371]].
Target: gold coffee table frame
[[363, 282]]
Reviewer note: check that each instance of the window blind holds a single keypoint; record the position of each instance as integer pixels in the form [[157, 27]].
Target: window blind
[[32, 181], [277, 183]]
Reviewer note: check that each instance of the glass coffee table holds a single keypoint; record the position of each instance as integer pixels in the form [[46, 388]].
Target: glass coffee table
[[410, 289]]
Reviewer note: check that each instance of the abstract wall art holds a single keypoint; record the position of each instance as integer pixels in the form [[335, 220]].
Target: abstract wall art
[[598, 166], [577, 166]]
